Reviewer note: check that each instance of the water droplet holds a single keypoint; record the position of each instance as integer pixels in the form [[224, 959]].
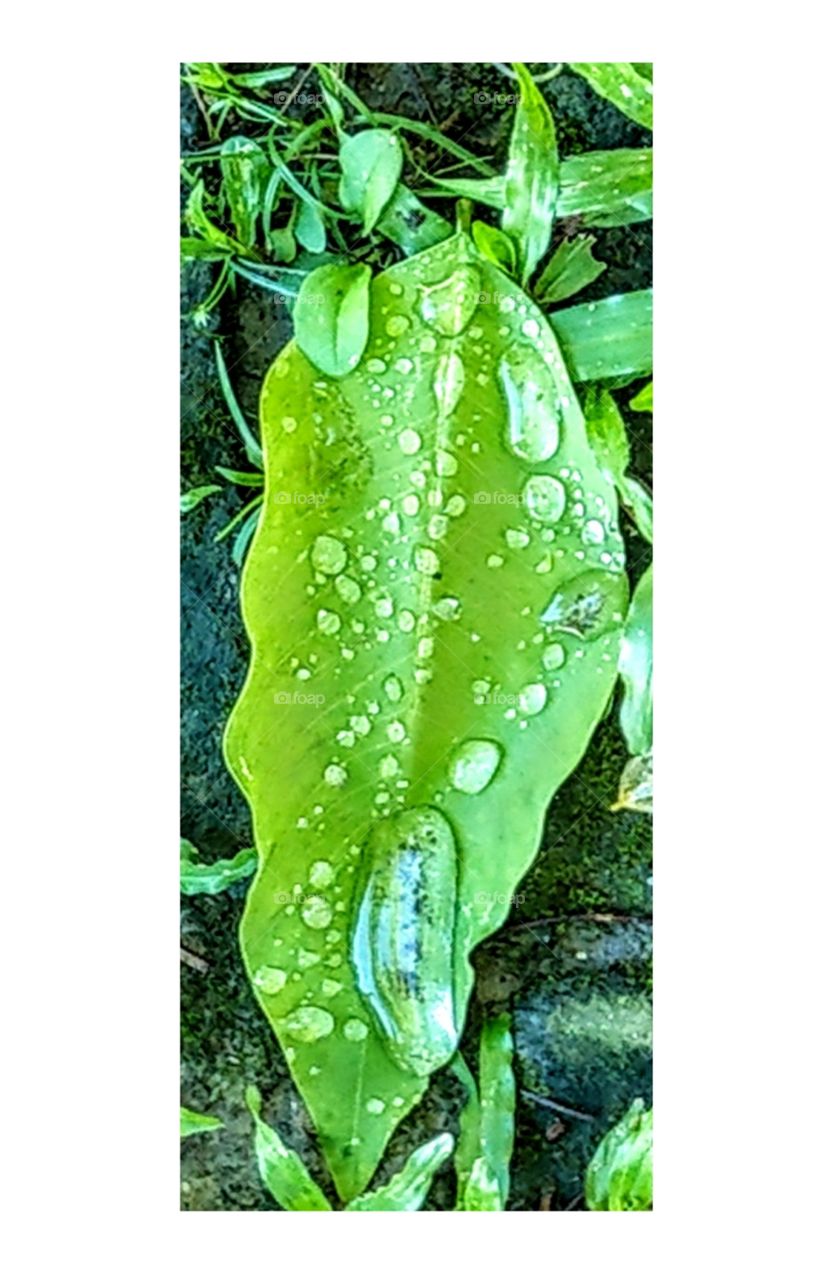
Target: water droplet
[[449, 380], [427, 561], [396, 731], [330, 988], [448, 608], [474, 765], [376, 365], [517, 538], [530, 328], [355, 1030], [533, 407], [405, 620], [593, 533], [590, 604], [449, 306], [397, 325], [321, 874], [308, 959], [532, 699], [328, 555], [328, 622], [445, 463], [347, 589], [316, 913], [410, 504], [308, 1023], [545, 498], [456, 505], [554, 655], [335, 775], [409, 441], [269, 980], [437, 527], [494, 561], [389, 767], [404, 365], [375, 1106], [392, 688]]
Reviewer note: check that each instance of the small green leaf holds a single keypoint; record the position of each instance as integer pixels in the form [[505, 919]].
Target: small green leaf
[[532, 175], [635, 666], [611, 338], [259, 79], [606, 432], [371, 161], [213, 877], [636, 788], [253, 451], [199, 221], [495, 245], [238, 518], [410, 224], [245, 172], [244, 537], [194, 1122], [621, 85], [619, 1176], [281, 1170], [203, 250], [408, 1189], [193, 497], [309, 229], [636, 498], [282, 243], [487, 1123], [643, 401], [571, 268], [607, 188], [331, 317], [248, 479]]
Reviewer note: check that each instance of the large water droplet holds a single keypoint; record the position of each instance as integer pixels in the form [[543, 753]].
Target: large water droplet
[[590, 604], [348, 589], [593, 533], [532, 406], [545, 498], [335, 775], [427, 561], [328, 622], [308, 1023], [449, 306], [409, 442], [532, 699], [316, 913], [474, 764], [328, 555], [449, 380]]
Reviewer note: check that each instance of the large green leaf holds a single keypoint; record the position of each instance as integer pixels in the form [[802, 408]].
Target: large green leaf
[[435, 620]]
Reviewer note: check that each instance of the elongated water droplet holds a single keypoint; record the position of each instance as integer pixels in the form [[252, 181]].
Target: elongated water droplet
[[532, 406], [474, 764], [449, 306], [554, 655], [392, 688], [449, 380]]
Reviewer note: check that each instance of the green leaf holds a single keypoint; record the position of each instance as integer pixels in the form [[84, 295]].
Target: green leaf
[[420, 600], [636, 788], [467, 1150], [643, 401], [607, 432], [253, 451], [607, 188], [410, 224], [237, 519], [248, 479], [495, 245], [532, 175], [571, 268], [611, 338], [194, 1122], [193, 497], [199, 221], [213, 877], [635, 669], [244, 537], [636, 497], [191, 247], [281, 1170], [259, 79], [371, 163], [621, 85], [408, 1189], [619, 1176], [245, 172], [331, 317], [282, 242], [487, 1125], [309, 229]]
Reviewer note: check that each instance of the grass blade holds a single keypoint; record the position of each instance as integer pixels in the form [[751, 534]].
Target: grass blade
[[253, 451], [281, 1170], [408, 1189], [213, 877], [611, 338], [532, 175]]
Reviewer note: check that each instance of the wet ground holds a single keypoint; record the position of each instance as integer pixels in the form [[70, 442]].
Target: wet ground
[[573, 963]]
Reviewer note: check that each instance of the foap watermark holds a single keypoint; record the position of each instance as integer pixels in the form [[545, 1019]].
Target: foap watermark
[[282, 96], [283, 498], [499, 899], [296, 698], [498, 498], [496, 99]]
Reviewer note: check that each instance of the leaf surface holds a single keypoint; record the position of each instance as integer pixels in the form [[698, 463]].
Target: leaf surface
[[195, 1122], [621, 84], [435, 619], [371, 161], [407, 1190], [611, 338], [331, 317]]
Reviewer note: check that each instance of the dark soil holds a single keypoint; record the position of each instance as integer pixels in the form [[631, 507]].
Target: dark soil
[[573, 964]]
